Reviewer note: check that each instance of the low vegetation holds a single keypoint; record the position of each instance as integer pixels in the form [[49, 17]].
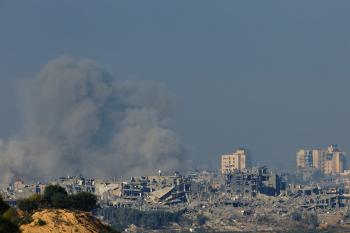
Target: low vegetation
[[201, 219], [41, 222], [56, 197], [123, 217], [305, 218], [30, 204], [7, 223], [310, 231], [34, 213]]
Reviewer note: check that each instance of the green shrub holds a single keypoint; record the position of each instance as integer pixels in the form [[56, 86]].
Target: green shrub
[[12, 216], [8, 227], [3, 206], [147, 219], [60, 201], [31, 204], [83, 201], [54, 190], [57, 197], [41, 222], [201, 219]]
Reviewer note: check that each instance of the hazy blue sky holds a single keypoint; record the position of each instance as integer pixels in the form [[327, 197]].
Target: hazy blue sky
[[271, 76]]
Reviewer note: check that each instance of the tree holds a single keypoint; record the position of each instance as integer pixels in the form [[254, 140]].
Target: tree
[[83, 201], [3, 206], [54, 190], [31, 204], [60, 201]]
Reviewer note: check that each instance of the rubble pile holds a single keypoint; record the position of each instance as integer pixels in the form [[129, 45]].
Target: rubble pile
[[255, 199]]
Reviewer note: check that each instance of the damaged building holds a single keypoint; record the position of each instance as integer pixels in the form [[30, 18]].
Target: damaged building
[[165, 190], [249, 182]]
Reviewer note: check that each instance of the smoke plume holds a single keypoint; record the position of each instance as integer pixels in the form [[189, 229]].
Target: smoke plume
[[78, 119]]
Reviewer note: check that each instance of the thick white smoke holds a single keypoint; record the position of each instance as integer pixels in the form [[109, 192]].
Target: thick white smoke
[[79, 119]]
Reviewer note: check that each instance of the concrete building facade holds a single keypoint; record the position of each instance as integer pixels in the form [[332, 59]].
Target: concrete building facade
[[329, 161], [239, 160], [252, 181]]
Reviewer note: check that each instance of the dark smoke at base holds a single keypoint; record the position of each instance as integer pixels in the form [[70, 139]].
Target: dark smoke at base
[[78, 119]]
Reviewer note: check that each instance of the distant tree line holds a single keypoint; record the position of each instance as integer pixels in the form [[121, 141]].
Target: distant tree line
[[56, 197], [154, 219]]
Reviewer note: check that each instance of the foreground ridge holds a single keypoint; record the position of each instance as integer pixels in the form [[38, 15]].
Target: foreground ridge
[[59, 220]]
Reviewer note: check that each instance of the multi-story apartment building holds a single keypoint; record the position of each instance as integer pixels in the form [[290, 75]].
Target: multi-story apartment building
[[304, 159], [254, 180], [239, 160], [329, 161]]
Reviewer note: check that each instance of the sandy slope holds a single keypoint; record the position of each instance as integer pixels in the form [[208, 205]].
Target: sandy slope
[[57, 221]]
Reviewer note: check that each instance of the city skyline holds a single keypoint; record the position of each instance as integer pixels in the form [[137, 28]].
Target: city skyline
[[269, 77], [174, 116]]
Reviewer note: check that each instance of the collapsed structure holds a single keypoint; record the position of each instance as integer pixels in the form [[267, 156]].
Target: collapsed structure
[[165, 190]]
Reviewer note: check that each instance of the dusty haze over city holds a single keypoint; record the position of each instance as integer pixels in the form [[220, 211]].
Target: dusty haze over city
[[187, 80]]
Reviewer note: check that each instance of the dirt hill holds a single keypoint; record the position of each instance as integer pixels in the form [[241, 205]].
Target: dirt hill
[[59, 221]]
